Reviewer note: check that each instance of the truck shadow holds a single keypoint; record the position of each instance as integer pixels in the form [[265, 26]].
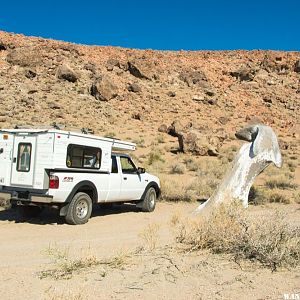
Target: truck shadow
[[50, 216], [114, 209]]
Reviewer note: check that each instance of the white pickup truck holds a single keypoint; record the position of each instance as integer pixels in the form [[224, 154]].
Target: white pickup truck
[[71, 171]]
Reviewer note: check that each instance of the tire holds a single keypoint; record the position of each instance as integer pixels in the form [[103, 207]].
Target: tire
[[149, 201], [29, 211], [79, 210]]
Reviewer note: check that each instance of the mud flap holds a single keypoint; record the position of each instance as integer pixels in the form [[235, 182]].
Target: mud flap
[[140, 204], [63, 210]]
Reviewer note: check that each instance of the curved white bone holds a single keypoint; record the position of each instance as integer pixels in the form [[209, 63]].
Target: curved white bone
[[250, 161]]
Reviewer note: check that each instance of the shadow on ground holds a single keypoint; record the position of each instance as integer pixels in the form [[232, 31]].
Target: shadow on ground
[[50, 216]]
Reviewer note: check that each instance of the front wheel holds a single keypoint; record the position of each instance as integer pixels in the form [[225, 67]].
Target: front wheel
[[80, 209], [149, 201]]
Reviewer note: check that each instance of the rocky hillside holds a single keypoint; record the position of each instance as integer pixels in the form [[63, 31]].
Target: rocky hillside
[[131, 92]]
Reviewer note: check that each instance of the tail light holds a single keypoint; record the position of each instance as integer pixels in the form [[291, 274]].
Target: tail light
[[53, 182]]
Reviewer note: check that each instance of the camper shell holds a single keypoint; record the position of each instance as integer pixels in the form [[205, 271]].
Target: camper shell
[[50, 166]]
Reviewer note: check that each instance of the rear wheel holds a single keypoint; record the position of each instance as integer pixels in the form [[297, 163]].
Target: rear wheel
[[149, 201], [80, 209]]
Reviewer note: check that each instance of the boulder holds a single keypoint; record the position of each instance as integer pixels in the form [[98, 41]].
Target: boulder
[[111, 63], [2, 46], [133, 87], [193, 77], [196, 144], [66, 73], [90, 67], [244, 73], [25, 57], [171, 94], [137, 116], [191, 141], [297, 66], [30, 73], [163, 128], [141, 69], [104, 89]]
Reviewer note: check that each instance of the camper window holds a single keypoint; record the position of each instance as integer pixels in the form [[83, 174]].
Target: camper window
[[83, 157], [24, 157]]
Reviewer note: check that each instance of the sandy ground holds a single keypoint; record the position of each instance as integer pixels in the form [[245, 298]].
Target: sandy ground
[[164, 273]]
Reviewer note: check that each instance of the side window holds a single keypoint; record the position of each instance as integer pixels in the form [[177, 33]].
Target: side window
[[128, 166], [24, 157], [83, 157], [114, 165]]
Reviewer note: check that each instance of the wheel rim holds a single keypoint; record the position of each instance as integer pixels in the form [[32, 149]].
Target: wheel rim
[[82, 209], [152, 198]]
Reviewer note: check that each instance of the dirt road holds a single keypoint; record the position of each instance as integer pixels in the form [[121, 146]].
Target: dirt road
[[132, 273]]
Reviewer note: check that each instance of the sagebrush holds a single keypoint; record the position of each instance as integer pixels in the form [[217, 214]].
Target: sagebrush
[[268, 239]]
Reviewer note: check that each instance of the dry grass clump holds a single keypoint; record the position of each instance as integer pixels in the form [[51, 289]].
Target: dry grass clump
[[161, 139], [64, 266], [175, 191], [140, 142], [202, 187], [228, 154], [230, 230], [155, 156], [211, 168], [177, 168], [191, 164], [259, 196], [281, 182], [296, 196], [150, 236], [52, 294]]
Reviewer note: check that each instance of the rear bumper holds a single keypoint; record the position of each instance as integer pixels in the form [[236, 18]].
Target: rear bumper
[[34, 198]]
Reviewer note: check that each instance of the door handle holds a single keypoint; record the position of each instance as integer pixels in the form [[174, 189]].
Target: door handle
[[125, 178], [14, 160]]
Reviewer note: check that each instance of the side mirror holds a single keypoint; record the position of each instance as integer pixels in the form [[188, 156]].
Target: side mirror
[[141, 170]]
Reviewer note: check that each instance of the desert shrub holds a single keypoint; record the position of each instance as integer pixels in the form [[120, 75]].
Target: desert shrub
[[175, 191], [281, 182], [64, 265], [277, 196], [228, 154], [177, 168], [150, 236], [191, 164], [155, 156], [202, 187], [291, 165], [256, 195], [110, 134], [160, 139], [230, 230], [211, 168], [140, 142], [296, 197], [259, 196]]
